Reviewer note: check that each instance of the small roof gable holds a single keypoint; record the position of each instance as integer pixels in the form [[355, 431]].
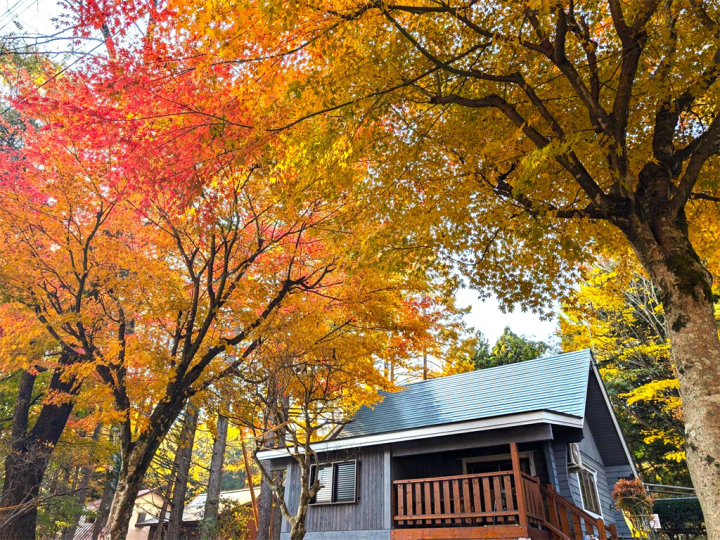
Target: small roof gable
[[195, 509], [555, 384]]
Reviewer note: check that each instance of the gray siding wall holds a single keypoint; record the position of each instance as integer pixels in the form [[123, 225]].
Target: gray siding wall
[[600, 419], [549, 451], [563, 483], [369, 513], [591, 457], [343, 535], [568, 483]]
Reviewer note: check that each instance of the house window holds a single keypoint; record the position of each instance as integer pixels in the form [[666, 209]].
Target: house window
[[589, 491], [141, 517], [338, 482], [498, 463]]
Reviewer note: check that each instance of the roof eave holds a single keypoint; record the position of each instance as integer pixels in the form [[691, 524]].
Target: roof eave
[[441, 430]]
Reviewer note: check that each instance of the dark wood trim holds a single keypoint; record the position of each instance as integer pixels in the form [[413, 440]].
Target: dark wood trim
[[515, 456], [458, 477], [537, 534], [499, 532], [462, 515]]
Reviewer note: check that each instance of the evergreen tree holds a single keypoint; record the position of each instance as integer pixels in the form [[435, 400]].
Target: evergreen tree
[[508, 349]]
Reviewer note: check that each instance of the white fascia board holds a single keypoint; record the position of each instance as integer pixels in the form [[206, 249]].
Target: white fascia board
[[614, 418], [485, 424]]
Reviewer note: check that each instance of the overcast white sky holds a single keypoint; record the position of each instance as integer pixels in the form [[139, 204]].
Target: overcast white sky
[[28, 17], [487, 317], [34, 16]]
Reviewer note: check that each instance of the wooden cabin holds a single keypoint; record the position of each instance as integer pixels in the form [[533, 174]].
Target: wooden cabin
[[527, 450], [194, 512]]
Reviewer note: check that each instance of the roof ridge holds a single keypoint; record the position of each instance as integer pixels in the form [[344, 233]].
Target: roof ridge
[[485, 370]]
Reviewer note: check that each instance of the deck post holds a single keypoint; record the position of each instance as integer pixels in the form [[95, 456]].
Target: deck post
[[602, 534], [519, 488]]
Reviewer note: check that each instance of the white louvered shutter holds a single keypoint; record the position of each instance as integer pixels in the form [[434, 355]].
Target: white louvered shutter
[[325, 478], [345, 481]]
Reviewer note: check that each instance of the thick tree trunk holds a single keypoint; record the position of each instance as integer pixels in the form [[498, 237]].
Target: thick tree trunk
[[183, 456], [27, 461], [212, 503], [685, 284], [695, 346], [136, 458], [129, 483], [23, 476], [22, 405]]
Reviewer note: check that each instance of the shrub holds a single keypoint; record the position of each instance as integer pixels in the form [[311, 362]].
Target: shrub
[[636, 505], [683, 515]]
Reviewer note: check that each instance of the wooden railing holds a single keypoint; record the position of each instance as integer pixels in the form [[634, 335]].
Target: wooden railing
[[478, 500], [506, 498], [534, 506], [470, 500], [568, 522]]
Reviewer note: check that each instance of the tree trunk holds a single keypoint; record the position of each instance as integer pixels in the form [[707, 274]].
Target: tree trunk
[[30, 454], [23, 475], [18, 436], [297, 531], [665, 251], [212, 503], [130, 480], [22, 405], [82, 490], [104, 508], [297, 524], [695, 346], [269, 517], [158, 533], [136, 459], [184, 457]]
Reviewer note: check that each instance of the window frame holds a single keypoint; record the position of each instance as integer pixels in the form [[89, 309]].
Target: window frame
[[594, 474], [501, 457], [333, 488]]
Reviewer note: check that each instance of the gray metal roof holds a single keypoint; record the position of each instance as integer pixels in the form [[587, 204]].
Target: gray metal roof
[[195, 509], [555, 383]]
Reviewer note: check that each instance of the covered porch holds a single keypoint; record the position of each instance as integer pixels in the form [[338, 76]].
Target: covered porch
[[500, 504]]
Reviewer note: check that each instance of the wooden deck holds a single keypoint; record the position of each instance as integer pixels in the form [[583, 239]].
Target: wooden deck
[[489, 506]]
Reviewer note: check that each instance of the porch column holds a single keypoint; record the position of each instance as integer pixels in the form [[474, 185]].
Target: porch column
[[518, 484], [388, 491]]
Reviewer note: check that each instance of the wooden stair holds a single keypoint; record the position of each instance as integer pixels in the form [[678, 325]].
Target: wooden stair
[[565, 520]]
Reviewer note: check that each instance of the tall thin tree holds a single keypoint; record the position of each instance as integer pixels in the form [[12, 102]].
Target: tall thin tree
[[212, 501]]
